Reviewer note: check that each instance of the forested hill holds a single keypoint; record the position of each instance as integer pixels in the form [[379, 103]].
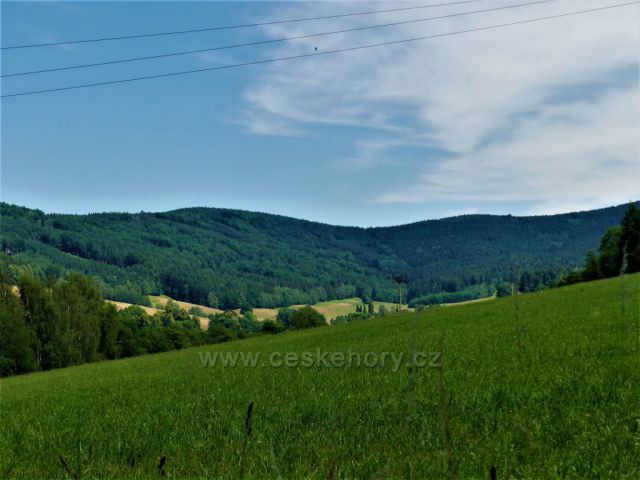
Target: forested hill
[[232, 258]]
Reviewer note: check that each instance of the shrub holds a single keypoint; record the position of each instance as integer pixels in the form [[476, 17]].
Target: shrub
[[271, 326], [504, 289], [228, 319], [219, 333], [307, 317], [284, 316], [249, 323], [197, 311]]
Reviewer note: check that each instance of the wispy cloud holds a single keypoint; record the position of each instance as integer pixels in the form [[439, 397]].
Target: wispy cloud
[[581, 154], [521, 110]]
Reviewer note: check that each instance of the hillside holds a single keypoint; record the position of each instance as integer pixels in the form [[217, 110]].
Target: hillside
[[230, 258], [544, 390]]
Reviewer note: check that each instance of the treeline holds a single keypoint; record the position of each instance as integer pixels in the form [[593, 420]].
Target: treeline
[[363, 312], [619, 252], [470, 293], [63, 322], [237, 259]]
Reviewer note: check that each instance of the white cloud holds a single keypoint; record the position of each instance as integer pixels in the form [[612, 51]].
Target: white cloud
[[573, 156], [492, 99]]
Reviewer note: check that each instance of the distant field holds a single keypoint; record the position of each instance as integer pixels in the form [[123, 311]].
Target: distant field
[[466, 302], [330, 309], [204, 321], [335, 308], [123, 305], [161, 300], [543, 388], [263, 314]]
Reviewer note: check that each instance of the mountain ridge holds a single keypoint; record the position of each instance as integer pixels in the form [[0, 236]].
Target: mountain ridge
[[235, 258], [291, 217]]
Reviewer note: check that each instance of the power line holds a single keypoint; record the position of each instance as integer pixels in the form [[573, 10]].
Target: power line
[[314, 54], [277, 40], [230, 27]]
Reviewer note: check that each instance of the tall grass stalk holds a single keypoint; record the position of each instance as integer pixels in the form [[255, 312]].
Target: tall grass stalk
[[413, 373], [410, 393], [248, 429], [623, 292], [331, 461], [444, 418], [516, 311], [66, 467]]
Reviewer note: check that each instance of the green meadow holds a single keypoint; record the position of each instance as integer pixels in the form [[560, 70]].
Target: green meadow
[[541, 385]]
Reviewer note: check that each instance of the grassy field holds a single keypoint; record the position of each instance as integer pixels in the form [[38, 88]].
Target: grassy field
[[160, 300], [467, 302], [123, 305], [544, 385], [335, 308], [330, 309]]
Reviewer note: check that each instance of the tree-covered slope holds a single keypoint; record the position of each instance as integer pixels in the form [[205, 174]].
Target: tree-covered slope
[[231, 258]]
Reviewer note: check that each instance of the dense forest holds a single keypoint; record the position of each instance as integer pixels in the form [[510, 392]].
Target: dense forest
[[232, 258], [618, 253]]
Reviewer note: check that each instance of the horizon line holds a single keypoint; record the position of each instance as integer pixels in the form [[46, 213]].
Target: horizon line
[[478, 214]]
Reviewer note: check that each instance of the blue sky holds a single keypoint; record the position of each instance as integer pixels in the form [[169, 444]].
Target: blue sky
[[535, 119]]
